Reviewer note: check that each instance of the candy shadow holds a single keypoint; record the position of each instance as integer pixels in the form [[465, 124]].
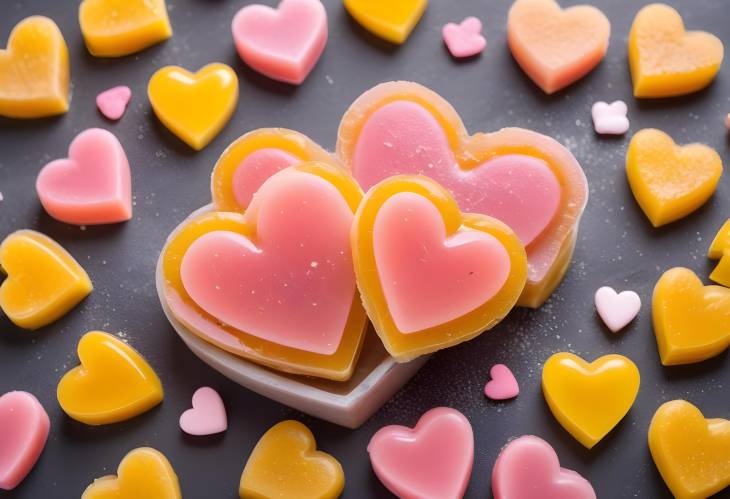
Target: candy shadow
[[260, 81], [374, 41], [689, 101], [171, 140], [715, 365], [83, 433], [203, 441]]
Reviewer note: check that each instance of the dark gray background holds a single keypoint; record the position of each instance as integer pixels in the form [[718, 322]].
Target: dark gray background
[[616, 246]]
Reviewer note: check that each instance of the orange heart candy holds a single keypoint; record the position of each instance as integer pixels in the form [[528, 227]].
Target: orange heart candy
[[556, 47]]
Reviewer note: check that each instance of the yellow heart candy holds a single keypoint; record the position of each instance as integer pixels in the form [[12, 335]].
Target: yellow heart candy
[[195, 107], [691, 321], [34, 70], [670, 181], [389, 20], [589, 400], [113, 382], [113, 28], [664, 59], [144, 473], [284, 464], [720, 250], [691, 453], [44, 281]]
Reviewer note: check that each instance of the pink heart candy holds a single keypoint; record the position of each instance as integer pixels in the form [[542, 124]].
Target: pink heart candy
[[464, 39], [503, 384], [207, 416], [617, 309], [258, 166], [431, 461], [455, 276], [528, 468], [24, 426], [610, 119], [283, 43], [294, 284], [113, 102], [92, 186]]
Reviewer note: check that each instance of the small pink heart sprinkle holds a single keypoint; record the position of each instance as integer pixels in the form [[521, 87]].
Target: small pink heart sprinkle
[[465, 39], [617, 309], [503, 384], [610, 119], [113, 102], [207, 416]]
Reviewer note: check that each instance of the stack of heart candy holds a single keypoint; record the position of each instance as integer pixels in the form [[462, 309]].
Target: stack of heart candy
[[324, 280]]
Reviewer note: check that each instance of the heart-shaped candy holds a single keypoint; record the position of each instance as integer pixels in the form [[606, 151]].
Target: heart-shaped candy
[[429, 276], [276, 284], [44, 281], [253, 158], [528, 468], [113, 28], [112, 384], [431, 461], [664, 59], [391, 21], [285, 464], [526, 180], [670, 181], [588, 400], [113, 102], [283, 43], [556, 47], [207, 416], [691, 321], [24, 426], [144, 473], [610, 119], [503, 384], [92, 186], [691, 453], [34, 70], [195, 107], [720, 250], [464, 39], [616, 309]]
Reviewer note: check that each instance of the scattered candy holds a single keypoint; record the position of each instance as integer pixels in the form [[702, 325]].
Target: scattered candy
[[503, 384], [424, 267], [527, 180], [391, 21], [720, 250], [670, 181], [617, 309], [285, 464], [113, 28], [283, 43], [528, 468], [227, 290], [610, 119], [195, 107], [433, 460], [92, 186], [113, 102], [207, 416], [34, 70], [589, 400], [555, 46], [691, 453], [144, 473], [44, 281], [24, 426], [664, 59], [113, 383], [464, 39], [253, 158], [690, 320]]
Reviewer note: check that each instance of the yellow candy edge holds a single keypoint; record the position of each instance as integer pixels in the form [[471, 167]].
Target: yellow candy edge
[[338, 366], [405, 347], [393, 33]]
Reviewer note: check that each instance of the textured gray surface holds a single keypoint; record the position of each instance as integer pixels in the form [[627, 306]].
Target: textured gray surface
[[616, 246]]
